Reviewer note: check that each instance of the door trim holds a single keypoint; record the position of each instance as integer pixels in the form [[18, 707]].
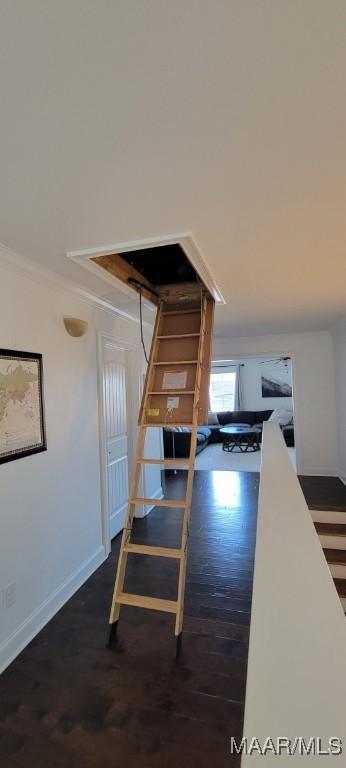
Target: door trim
[[122, 346]]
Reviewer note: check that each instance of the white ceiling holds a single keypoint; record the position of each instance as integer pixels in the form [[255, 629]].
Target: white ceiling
[[127, 119]]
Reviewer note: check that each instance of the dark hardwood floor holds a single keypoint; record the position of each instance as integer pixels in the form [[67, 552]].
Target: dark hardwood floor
[[69, 701]]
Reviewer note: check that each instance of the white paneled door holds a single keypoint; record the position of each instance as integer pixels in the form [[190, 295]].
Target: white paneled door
[[115, 407]]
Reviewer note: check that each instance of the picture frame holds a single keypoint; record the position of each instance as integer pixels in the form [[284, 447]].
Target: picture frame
[[275, 386], [22, 417]]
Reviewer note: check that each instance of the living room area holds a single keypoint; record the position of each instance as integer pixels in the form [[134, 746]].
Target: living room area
[[244, 393]]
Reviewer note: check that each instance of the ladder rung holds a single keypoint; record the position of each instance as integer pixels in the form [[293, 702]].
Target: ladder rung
[[141, 601], [167, 424], [179, 336], [176, 362], [169, 392], [144, 549], [170, 462], [158, 502], [182, 311]]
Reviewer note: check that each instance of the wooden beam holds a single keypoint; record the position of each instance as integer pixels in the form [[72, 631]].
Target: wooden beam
[[180, 292], [119, 268]]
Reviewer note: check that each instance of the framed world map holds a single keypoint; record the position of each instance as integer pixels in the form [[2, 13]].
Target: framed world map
[[22, 425]]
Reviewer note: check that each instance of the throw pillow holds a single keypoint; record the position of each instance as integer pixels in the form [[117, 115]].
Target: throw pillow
[[212, 419], [281, 416]]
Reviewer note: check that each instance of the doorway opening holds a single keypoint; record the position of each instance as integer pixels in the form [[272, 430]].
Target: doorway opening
[[244, 393]]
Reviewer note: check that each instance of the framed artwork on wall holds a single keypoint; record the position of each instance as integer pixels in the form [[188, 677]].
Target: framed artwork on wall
[[275, 386], [22, 422]]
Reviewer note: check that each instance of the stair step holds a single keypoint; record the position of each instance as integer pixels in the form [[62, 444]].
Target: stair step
[[337, 570], [335, 556], [180, 336], [332, 542], [340, 587], [331, 529], [328, 516], [145, 549], [159, 502], [141, 601], [166, 462]]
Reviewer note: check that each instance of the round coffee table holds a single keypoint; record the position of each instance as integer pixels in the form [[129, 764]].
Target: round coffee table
[[244, 438]]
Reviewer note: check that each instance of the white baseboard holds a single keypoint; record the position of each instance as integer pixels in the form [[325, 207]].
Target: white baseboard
[[17, 641], [316, 471], [144, 511]]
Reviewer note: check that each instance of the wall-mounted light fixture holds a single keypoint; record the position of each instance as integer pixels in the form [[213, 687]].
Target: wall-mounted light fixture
[[75, 326]]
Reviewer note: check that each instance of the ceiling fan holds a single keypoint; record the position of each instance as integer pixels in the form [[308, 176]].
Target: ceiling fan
[[276, 360]]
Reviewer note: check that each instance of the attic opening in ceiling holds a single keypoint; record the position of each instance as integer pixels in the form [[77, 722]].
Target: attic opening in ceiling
[[163, 265], [162, 271]]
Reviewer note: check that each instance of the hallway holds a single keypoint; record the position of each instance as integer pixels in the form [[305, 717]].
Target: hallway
[[68, 700]]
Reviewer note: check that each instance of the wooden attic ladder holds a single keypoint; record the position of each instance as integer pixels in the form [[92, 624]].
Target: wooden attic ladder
[[175, 394]]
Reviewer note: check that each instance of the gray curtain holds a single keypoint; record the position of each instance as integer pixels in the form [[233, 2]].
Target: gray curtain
[[238, 399]]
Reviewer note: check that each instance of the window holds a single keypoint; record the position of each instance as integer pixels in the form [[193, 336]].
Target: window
[[222, 390]]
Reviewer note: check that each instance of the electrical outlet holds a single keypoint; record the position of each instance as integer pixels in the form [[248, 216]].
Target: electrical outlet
[[9, 597]]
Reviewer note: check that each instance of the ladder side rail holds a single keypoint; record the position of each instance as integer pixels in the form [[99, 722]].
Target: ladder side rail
[[150, 368], [189, 485], [206, 362], [136, 473], [120, 577]]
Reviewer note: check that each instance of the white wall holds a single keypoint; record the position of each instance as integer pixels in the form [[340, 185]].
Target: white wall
[[251, 372], [313, 390], [50, 515], [339, 339]]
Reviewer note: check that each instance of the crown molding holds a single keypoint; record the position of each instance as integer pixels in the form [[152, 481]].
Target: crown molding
[[24, 266]]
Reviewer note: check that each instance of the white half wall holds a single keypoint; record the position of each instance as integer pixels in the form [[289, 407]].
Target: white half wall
[[296, 666], [313, 390], [50, 503], [339, 339]]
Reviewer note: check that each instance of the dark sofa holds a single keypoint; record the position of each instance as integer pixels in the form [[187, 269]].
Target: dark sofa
[[180, 448], [177, 444]]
